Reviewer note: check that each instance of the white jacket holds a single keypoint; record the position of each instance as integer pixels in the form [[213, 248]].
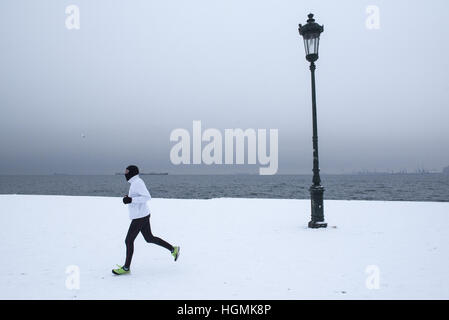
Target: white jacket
[[139, 193]]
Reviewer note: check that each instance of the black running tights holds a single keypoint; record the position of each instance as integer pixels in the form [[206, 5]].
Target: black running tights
[[141, 225]]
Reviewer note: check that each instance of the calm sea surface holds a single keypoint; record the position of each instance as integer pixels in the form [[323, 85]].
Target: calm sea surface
[[408, 187]]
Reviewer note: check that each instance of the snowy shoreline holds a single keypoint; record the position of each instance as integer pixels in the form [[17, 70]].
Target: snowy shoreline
[[225, 198], [231, 248]]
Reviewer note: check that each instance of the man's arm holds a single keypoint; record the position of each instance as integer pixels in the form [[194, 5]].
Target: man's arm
[[143, 194]]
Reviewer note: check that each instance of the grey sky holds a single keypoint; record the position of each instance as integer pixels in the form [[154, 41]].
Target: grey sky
[[136, 70]]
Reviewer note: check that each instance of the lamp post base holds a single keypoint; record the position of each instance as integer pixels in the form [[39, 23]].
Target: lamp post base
[[316, 197], [317, 224]]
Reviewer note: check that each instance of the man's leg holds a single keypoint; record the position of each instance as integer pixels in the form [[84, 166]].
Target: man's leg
[[133, 231], [146, 232]]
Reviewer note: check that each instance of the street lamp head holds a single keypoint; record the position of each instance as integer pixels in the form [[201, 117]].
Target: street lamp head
[[311, 34]]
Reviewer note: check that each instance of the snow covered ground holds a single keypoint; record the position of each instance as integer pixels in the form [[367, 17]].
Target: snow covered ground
[[230, 249]]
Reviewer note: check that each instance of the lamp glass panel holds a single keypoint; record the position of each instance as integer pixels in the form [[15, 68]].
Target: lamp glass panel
[[311, 45]]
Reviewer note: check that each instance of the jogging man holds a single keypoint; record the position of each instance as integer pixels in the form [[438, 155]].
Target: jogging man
[[139, 213]]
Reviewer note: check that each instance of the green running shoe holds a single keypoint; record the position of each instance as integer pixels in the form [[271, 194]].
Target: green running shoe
[[120, 270], [175, 252]]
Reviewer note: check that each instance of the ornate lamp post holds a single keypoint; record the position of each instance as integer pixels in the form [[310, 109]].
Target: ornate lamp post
[[311, 34]]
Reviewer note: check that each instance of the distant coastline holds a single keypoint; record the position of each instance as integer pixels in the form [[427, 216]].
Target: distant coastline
[[446, 170], [146, 174]]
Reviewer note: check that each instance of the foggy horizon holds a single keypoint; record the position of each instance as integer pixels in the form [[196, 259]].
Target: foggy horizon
[[97, 99]]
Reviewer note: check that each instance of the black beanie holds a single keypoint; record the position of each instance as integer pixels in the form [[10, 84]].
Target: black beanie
[[132, 171]]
